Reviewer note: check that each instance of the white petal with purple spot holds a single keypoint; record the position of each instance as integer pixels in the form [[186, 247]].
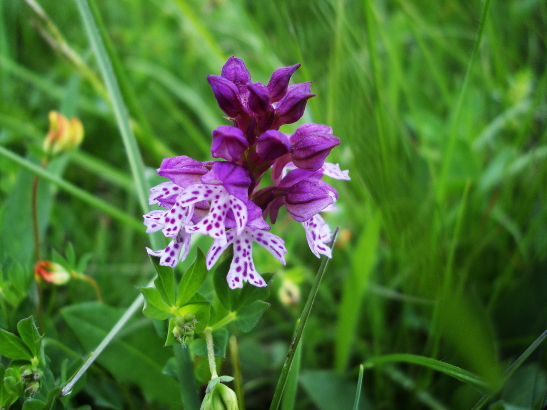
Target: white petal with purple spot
[[273, 243], [176, 251], [176, 218], [163, 190], [318, 235], [154, 221], [334, 171]]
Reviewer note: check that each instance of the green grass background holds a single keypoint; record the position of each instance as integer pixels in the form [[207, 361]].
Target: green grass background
[[442, 112]]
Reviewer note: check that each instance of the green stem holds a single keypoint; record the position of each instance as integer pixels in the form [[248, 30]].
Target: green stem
[[229, 318], [300, 329], [211, 353], [95, 354], [238, 379]]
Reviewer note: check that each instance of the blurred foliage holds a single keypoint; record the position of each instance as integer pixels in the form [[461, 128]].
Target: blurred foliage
[[443, 244]]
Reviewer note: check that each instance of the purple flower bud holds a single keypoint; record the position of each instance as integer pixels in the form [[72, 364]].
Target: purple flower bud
[[259, 98], [228, 143], [307, 198], [234, 178], [236, 71], [311, 144], [227, 95], [291, 107], [272, 145], [279, 81], [182, 170]]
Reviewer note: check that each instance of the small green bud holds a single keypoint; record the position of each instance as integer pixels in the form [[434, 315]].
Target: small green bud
[[221, 397]]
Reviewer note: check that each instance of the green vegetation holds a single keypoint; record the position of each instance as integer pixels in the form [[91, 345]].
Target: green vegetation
[[438, 282]]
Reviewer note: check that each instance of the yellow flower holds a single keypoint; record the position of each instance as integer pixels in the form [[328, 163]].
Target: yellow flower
[[63, 134]]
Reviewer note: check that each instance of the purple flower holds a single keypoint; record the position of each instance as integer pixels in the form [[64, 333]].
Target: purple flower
[[224, 199], [259, 99], [242, 268], [227, 95], [311, 144], [235, 71], [279, 81], [272, 145], [228, 143], [182, 170], [291, 107]]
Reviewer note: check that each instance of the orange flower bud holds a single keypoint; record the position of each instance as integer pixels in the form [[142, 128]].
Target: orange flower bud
[[63, 134], [51, 272]]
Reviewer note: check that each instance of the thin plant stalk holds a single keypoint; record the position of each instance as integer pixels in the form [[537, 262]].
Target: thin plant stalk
[[238, 379], [299, 330]]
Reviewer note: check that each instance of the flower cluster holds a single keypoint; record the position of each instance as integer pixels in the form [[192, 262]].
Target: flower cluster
[[223, 199]]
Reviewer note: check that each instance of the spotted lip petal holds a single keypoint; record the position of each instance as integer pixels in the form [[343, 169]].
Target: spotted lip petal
[[176, 251], [318, 235], [242, 268], [213, 224], [164, 194]]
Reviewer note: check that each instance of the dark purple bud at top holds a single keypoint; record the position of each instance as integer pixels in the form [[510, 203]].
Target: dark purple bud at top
[[182, 170], [226, 94], [228, 143], [279, 82], [231, 176], [291, 107], [307, 198], [311, 144], [236, 71], [259, 98], [272, 145]]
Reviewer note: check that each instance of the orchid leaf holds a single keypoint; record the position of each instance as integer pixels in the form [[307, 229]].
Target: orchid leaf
[[192, 280]]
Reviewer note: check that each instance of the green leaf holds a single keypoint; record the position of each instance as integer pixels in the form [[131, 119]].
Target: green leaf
[[154, 306], [165, 282], [29, 333], [237, 299], [220, 340], [13, 347], [201, 311], [249, 316], [192, 280], [224, 293], [137, 357], [6, 397], [446, 368], [249, 294], [34, 404]]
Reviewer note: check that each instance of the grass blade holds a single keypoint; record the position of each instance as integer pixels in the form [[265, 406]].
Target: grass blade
[[514, 366], [359, 387], [446, 368], [118, 105], [74, 191], [299, 330]]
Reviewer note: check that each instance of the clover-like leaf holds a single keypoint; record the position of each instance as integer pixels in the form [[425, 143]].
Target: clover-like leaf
[[29, 334], [154, 306], [13, 347], [165, 282], [248, 317]]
